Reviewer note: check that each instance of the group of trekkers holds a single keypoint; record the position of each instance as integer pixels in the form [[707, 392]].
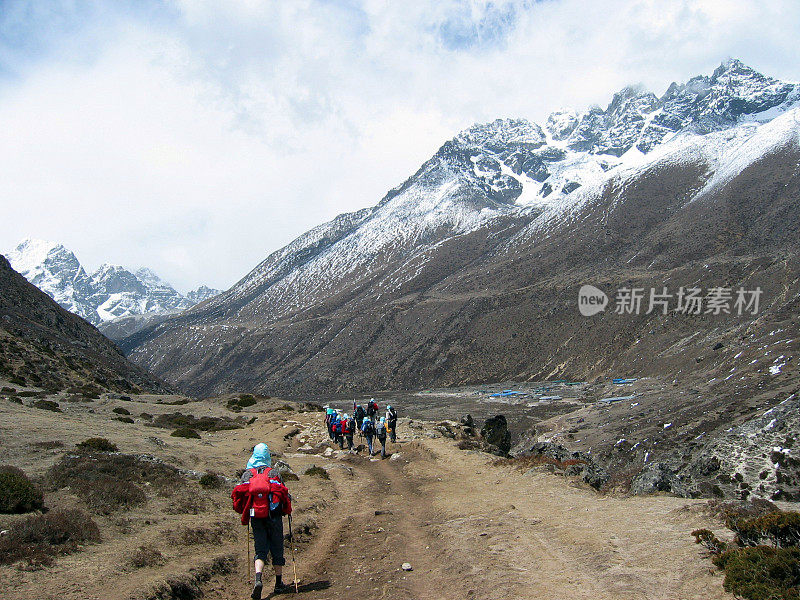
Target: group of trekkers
[[262, 499], [364, 421]]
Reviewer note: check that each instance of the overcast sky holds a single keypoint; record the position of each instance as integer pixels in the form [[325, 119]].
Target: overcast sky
[[197, 137]]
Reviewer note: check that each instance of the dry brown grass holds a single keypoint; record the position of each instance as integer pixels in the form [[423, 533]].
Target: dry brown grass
[[39, 538]]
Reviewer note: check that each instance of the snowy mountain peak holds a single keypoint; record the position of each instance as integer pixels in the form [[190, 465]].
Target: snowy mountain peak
[[149, 278], [31, 253], [561, 123], [110, 292], [502, 133], [202, 293]]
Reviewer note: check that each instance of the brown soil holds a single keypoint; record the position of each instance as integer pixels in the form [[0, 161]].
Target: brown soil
[[469, 528]]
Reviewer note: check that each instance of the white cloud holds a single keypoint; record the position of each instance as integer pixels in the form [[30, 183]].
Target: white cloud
[[196, 137]]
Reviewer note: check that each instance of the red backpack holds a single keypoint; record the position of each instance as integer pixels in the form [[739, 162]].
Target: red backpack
[[268, 497], [347, 427]]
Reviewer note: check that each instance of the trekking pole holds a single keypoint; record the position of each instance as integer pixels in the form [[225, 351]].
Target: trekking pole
[[294, 562], [247, 543]]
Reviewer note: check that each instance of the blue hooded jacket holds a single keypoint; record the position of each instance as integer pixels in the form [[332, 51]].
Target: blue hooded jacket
[[261, 457]]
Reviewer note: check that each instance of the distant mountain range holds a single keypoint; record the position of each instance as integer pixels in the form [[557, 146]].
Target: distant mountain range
[[111, 292], [42, 345], [469, 270]]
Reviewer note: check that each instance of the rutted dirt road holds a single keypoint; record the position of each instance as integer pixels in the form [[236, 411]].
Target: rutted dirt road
[[472, 529]]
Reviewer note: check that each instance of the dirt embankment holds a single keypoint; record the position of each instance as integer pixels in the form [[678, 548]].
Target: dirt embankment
[[470, 528]]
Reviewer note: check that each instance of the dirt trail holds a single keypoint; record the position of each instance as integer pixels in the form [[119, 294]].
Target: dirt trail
[[471, 529]]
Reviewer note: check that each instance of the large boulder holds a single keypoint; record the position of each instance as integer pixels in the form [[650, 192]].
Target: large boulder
[[495, 432], [658, 477]]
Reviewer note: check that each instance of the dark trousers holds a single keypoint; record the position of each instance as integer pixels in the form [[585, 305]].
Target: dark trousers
[[268, 539], [382, 440]]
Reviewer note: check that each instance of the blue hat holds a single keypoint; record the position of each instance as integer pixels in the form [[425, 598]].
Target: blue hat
[[261, 457]]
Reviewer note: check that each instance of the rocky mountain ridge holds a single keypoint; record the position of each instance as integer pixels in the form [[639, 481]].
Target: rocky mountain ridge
[[111, 292]]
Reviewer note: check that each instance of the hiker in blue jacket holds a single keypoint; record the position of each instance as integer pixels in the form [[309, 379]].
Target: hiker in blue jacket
[[329, 413], [368, 429]]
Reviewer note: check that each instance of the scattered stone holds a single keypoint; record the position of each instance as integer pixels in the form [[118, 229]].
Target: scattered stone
[[396, 456], [290, 434], [306, 449], [406, 567]]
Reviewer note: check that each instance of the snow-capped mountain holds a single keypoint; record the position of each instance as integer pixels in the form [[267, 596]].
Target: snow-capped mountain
[[109, 293], [202, 293], [462, 272]]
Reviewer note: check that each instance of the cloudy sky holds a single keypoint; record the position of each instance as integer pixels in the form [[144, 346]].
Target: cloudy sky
[[195, 137]]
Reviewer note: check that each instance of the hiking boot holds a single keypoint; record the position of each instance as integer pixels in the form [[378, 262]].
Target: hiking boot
[[283, 588], [256, 595]]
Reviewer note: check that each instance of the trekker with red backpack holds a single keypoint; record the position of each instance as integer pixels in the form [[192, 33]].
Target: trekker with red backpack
[[337, 431], [372, 409], [262, 499], [348, 427]]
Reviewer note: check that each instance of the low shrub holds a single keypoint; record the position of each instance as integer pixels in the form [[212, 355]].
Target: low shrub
[[16, 380], [8, 390], [47, 405], [178, 402], [709, 540], [757, 571], [211, 481], [124, 420], [761, 572], [781, 529], [147, 556], [109, 482], [185, 432], [98, 444], [246, 400], [315, 471], [178, 420], [39, 538], [105, 495], [146, 416], [17, 493], [121, 411]]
